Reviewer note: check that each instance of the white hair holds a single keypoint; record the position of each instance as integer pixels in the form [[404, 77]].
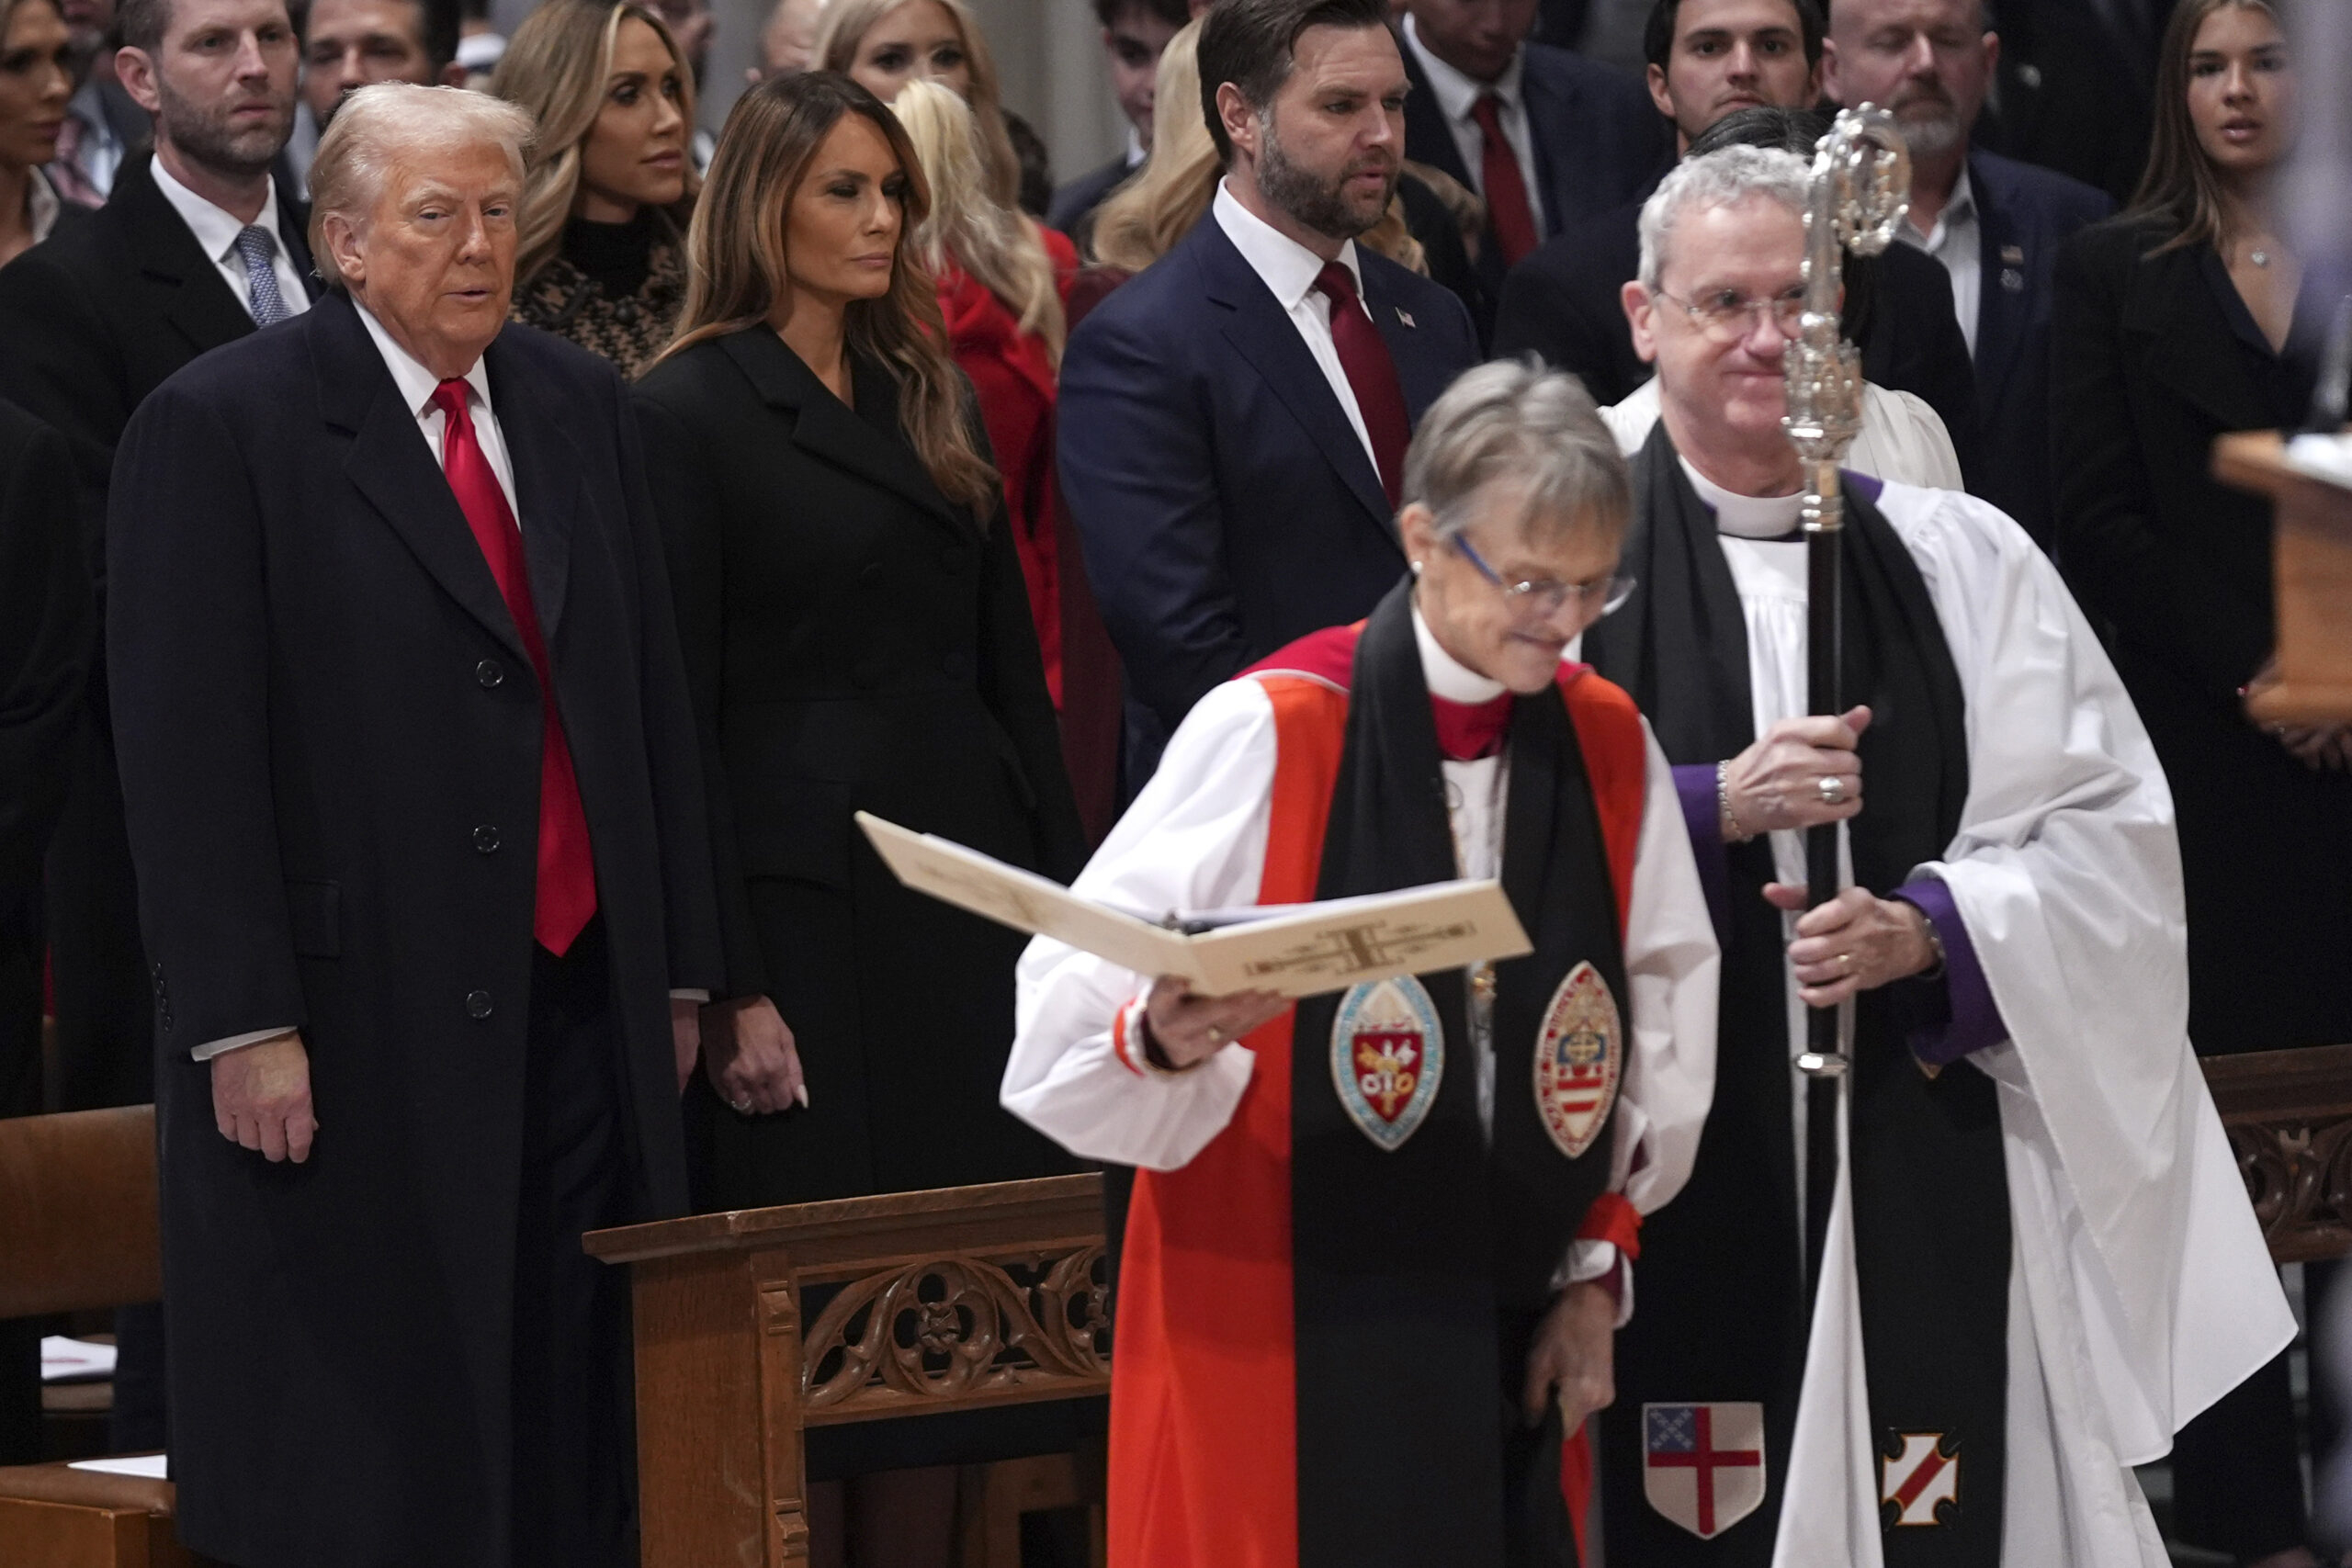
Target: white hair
[[1537, 429], [1725, 177], [384, 124]]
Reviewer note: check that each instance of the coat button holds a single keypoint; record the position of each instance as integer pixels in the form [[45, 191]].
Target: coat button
[[488, 673], [486, 840], [477, 1004]]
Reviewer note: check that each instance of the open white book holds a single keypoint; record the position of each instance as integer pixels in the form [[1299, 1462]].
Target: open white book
[[1298, 950]]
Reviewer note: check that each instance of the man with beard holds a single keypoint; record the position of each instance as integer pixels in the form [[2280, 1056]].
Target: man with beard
[[194, 248], [1234, 420], [1994, 224], [347, 44], [2038, 1261]]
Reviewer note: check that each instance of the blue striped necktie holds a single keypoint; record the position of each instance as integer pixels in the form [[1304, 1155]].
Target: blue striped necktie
[[259, 247]]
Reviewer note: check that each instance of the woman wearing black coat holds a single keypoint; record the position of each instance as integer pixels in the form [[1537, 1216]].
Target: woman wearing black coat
[[2173, 324]]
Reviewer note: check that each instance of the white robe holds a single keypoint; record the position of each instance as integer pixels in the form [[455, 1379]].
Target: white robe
[[2141, 1290], [1903, 439], [1195, 839]]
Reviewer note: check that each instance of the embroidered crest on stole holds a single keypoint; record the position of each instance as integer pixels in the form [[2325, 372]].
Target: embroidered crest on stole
[[1387, 1057], [1579, 1055]]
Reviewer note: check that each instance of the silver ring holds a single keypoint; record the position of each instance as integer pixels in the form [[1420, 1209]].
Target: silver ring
[[743, 1104], [1833, 790], [1847, 960]]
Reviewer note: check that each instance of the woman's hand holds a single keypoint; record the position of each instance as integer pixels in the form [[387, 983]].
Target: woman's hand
[[1189, 1030], [749, 1055], [1575, 1353], [1780, 782], [1856, 942]]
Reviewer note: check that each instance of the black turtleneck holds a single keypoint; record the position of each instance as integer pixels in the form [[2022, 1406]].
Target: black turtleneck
[[616, 257]]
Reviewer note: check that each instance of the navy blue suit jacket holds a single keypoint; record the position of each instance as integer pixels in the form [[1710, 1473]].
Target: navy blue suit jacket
[[1599, 142], [1224, 502], [2024, 213]]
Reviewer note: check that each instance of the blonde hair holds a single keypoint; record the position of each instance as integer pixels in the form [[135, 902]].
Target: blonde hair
[[379, 125], [2179, 183], [841, 26], [736, 271], [556, 66], [998, 246]]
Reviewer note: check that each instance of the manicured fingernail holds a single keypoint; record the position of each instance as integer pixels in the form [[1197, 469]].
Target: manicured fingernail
[[801, 1094]]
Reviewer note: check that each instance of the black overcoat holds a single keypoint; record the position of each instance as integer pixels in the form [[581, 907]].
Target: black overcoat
[[330, 736], [854, 641]]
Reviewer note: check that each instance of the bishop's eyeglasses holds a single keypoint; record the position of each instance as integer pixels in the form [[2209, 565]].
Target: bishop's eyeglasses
[[1544, 596]]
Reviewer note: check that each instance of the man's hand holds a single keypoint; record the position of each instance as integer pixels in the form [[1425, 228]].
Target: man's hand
[[751, 1060], [1574, 1358], [1856, 942], [261, 1097], [686, 1036], [1777, 783], [1189, 1029]]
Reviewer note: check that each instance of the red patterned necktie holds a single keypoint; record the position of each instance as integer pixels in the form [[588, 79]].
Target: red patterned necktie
[[1505, 183], [1467, 731], [1371, 376], [566, 896]]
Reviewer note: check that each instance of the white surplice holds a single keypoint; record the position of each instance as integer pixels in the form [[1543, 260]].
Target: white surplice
[[1195, 839], [2139, 1288]]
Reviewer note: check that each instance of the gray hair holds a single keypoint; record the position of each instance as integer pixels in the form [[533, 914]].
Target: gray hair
[[1723, 178], [378, 125], [1517, 422]]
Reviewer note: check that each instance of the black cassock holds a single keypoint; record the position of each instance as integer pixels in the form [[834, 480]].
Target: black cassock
[[330, 736]]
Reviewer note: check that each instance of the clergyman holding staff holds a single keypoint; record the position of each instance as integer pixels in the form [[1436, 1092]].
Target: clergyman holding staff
[[1381, 1238], [424, 877], [2040, 1261]]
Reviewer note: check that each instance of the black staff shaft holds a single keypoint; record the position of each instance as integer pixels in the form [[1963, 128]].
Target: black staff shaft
[[1824, 641]]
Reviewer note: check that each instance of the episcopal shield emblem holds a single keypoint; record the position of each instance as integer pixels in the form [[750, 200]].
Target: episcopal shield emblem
[[1702, 1465], [1387, 1057], [1579, 1055], [1920, 1485]]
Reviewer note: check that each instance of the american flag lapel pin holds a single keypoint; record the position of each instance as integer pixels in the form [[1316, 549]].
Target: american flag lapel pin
[[1405, 316]]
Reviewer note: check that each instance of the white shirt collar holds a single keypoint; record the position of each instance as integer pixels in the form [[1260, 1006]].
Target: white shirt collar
[[42, 206], [1457, 94], [416, 383], [1288, 267], [1745, 516], [1137, 152], [1960, 211], [216, 229], [1448, 676]]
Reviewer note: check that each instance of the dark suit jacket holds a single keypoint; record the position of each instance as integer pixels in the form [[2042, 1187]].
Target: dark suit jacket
[[94, 318], [320, 703], [1226, 506], [1599, 142], [854, 641], [1563, 305], [2023, 214], [2074, 94], [1074, 204], [2150, 364], [45, 642]]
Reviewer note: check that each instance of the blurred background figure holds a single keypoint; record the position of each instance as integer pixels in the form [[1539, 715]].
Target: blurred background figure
[[691, 24], [788, 41], [884, 44], [36, 82], [1134, 35], [480, 44], [348, 44], [601, 235], [857, 638], [104, 124], [1000, 277], [2183, 319]]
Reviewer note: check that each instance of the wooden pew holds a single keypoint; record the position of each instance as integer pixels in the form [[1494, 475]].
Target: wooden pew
[[78, 1231], [952, 1300]]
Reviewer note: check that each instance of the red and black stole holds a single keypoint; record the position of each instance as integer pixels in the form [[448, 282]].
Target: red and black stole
[[1321, 1339]]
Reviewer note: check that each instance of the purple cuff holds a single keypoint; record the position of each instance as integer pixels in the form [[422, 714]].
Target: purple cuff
[[1969, 1018], [1703, 815]]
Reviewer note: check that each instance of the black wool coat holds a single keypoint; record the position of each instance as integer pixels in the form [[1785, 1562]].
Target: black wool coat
[[330, 736], [855, 642]]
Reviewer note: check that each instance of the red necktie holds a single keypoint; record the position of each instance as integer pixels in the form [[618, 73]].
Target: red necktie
[[566, 896], [1371, 376], [1505, 185], [1467, 731]]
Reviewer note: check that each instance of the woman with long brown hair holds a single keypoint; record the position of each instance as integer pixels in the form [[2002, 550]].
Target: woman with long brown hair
[[857, 638], [36, 79], [2178, 321], [611, 184]]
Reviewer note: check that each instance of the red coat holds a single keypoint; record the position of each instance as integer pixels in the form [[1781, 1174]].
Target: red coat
[[1010, 370]]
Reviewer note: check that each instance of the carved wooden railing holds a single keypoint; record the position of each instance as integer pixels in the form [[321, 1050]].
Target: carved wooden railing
[[2288, 1117], [950, 1299]]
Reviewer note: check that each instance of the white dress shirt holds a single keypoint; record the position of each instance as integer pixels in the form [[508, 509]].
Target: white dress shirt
[[1289, 269], [42, 206], [1457, 94], [1956, 240], [216, 230]]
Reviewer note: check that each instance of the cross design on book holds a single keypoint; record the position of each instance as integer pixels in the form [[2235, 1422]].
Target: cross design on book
[[1354, 949]]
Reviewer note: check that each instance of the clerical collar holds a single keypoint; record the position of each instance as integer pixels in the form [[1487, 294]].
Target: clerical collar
[[1448, 676], [1745, 516]]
